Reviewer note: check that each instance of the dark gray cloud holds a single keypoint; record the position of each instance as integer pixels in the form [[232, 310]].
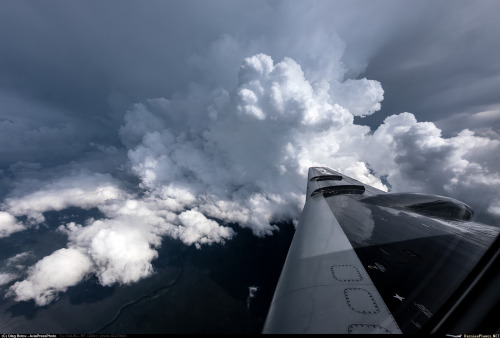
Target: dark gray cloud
[[442, 63], [91, 60]]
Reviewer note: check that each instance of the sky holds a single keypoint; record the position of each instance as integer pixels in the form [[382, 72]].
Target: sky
[[185, 119]]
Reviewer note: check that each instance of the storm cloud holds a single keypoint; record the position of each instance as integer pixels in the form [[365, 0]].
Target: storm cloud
[[188, 120]]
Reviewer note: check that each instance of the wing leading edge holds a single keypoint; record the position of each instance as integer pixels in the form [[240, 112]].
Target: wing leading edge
[[366, 261]]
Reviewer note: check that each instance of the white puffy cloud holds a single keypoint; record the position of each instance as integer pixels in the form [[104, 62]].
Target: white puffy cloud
[[9, 224], [124, 245], [416, 157], [6, 277], [81, 189], [361, 97], [52, 274], [245, 164], [198, 229], [120, 250]]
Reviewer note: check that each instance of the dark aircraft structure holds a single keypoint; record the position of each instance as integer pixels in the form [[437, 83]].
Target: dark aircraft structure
[[366, 261]]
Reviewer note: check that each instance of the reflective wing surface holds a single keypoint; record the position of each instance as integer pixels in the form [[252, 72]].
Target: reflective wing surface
[[366, 261]]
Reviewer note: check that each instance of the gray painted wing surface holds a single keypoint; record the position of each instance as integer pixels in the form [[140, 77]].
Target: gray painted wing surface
[[363, 261]]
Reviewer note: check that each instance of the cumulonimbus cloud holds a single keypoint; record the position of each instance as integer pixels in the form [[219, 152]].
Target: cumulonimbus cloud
[[239, 156]]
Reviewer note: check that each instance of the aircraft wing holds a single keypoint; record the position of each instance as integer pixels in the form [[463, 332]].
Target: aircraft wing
[[366, 261]]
